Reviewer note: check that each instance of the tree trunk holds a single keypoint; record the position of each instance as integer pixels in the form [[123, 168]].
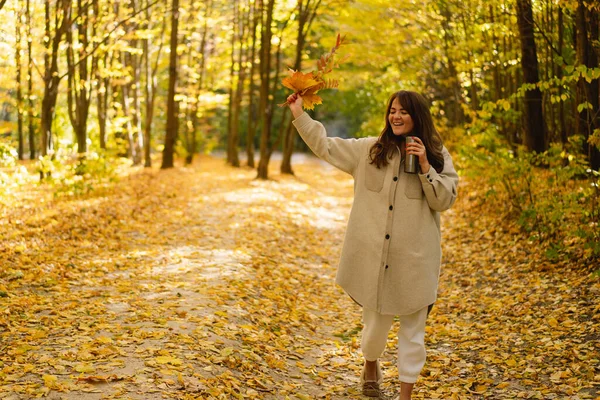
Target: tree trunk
[[232, 126], [103, 96], [188, 130], [134, 87], [172, 121], [587, 92], [473, 87], [252, 115], [128, 127], [30, 110], [264, 108], [239, 91], [552, 132], [138, 135], [79, 89], [559, 75], [454, 99], [51, 76], [306, 15], [202, 51], [495, 50], [273, 103], [150, 87], [21, 148], [102, 83], [535, 132]]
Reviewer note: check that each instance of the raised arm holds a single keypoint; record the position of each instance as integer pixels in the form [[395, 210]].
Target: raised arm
[[341, 153]]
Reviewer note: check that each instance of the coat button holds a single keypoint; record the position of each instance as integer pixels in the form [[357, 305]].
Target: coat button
[[395, 178], [387, 236], [391, 208], [387, 266]]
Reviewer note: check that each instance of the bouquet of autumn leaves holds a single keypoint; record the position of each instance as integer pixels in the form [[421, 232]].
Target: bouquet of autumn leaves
[[307, 85]]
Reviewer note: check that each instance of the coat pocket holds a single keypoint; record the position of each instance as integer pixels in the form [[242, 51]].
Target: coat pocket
[[414, 188], [374, 177]]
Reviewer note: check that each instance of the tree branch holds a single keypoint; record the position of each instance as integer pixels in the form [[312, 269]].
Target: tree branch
[[548, 41], [97, 46]]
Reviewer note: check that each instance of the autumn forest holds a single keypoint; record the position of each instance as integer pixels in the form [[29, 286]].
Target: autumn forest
[[166, 233]]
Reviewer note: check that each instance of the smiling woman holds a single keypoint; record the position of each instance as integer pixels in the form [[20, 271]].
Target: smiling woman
[[400, 119], [391, 256], [408, 114]]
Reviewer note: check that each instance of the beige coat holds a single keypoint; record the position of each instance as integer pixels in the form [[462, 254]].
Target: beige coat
[[391, 256]]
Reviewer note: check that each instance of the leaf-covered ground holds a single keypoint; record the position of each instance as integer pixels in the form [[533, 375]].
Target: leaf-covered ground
[[202, 282]]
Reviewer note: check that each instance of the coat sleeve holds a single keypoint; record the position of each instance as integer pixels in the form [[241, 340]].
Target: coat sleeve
[[341, 153], [441, 188]]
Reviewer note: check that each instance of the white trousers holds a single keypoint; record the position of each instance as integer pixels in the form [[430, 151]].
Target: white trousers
[[411, 341]]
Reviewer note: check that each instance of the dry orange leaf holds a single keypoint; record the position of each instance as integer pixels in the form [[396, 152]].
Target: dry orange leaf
[[307, 85], [300, 83]]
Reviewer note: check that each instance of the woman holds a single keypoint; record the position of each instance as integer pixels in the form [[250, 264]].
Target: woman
[[391, 256]]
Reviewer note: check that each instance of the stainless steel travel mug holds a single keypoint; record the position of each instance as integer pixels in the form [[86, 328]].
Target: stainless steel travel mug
[[410, 164]]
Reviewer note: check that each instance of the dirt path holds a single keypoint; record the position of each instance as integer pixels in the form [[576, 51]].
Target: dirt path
[[205, 283]]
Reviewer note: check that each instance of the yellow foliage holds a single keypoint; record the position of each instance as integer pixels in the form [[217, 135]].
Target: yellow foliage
[[307, 85]]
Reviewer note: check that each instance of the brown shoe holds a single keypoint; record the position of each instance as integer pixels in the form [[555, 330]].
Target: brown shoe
[[371, 388]]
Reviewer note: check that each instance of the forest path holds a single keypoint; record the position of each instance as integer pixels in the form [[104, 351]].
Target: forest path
[[203, 282]]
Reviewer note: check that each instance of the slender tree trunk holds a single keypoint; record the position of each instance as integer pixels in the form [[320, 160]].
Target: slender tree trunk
[[131, 149], [239, 91], [497, 83], [137, 118], [51, 76], [47, 104], [587, 92], [21, 148], [306, 15], [126, 95], [232, 126], [118, 102], [495, 50], [273, 102], [172, 122], [202, 51], [455, 99], [138, 136], [150, 87], [548, 105], [30, 109], [535, 132], [102, 90], [102, 97], [134, 91], [189, 128], [149, 96], [473, 87], [79, 89], [264, 108], [252, 115], [594, 23], [559, 75]]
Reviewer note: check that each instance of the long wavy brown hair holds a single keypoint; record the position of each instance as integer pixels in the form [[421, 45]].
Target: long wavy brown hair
[[418, 108]]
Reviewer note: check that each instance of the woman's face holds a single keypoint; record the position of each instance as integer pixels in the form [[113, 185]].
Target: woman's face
[[400, 120]]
